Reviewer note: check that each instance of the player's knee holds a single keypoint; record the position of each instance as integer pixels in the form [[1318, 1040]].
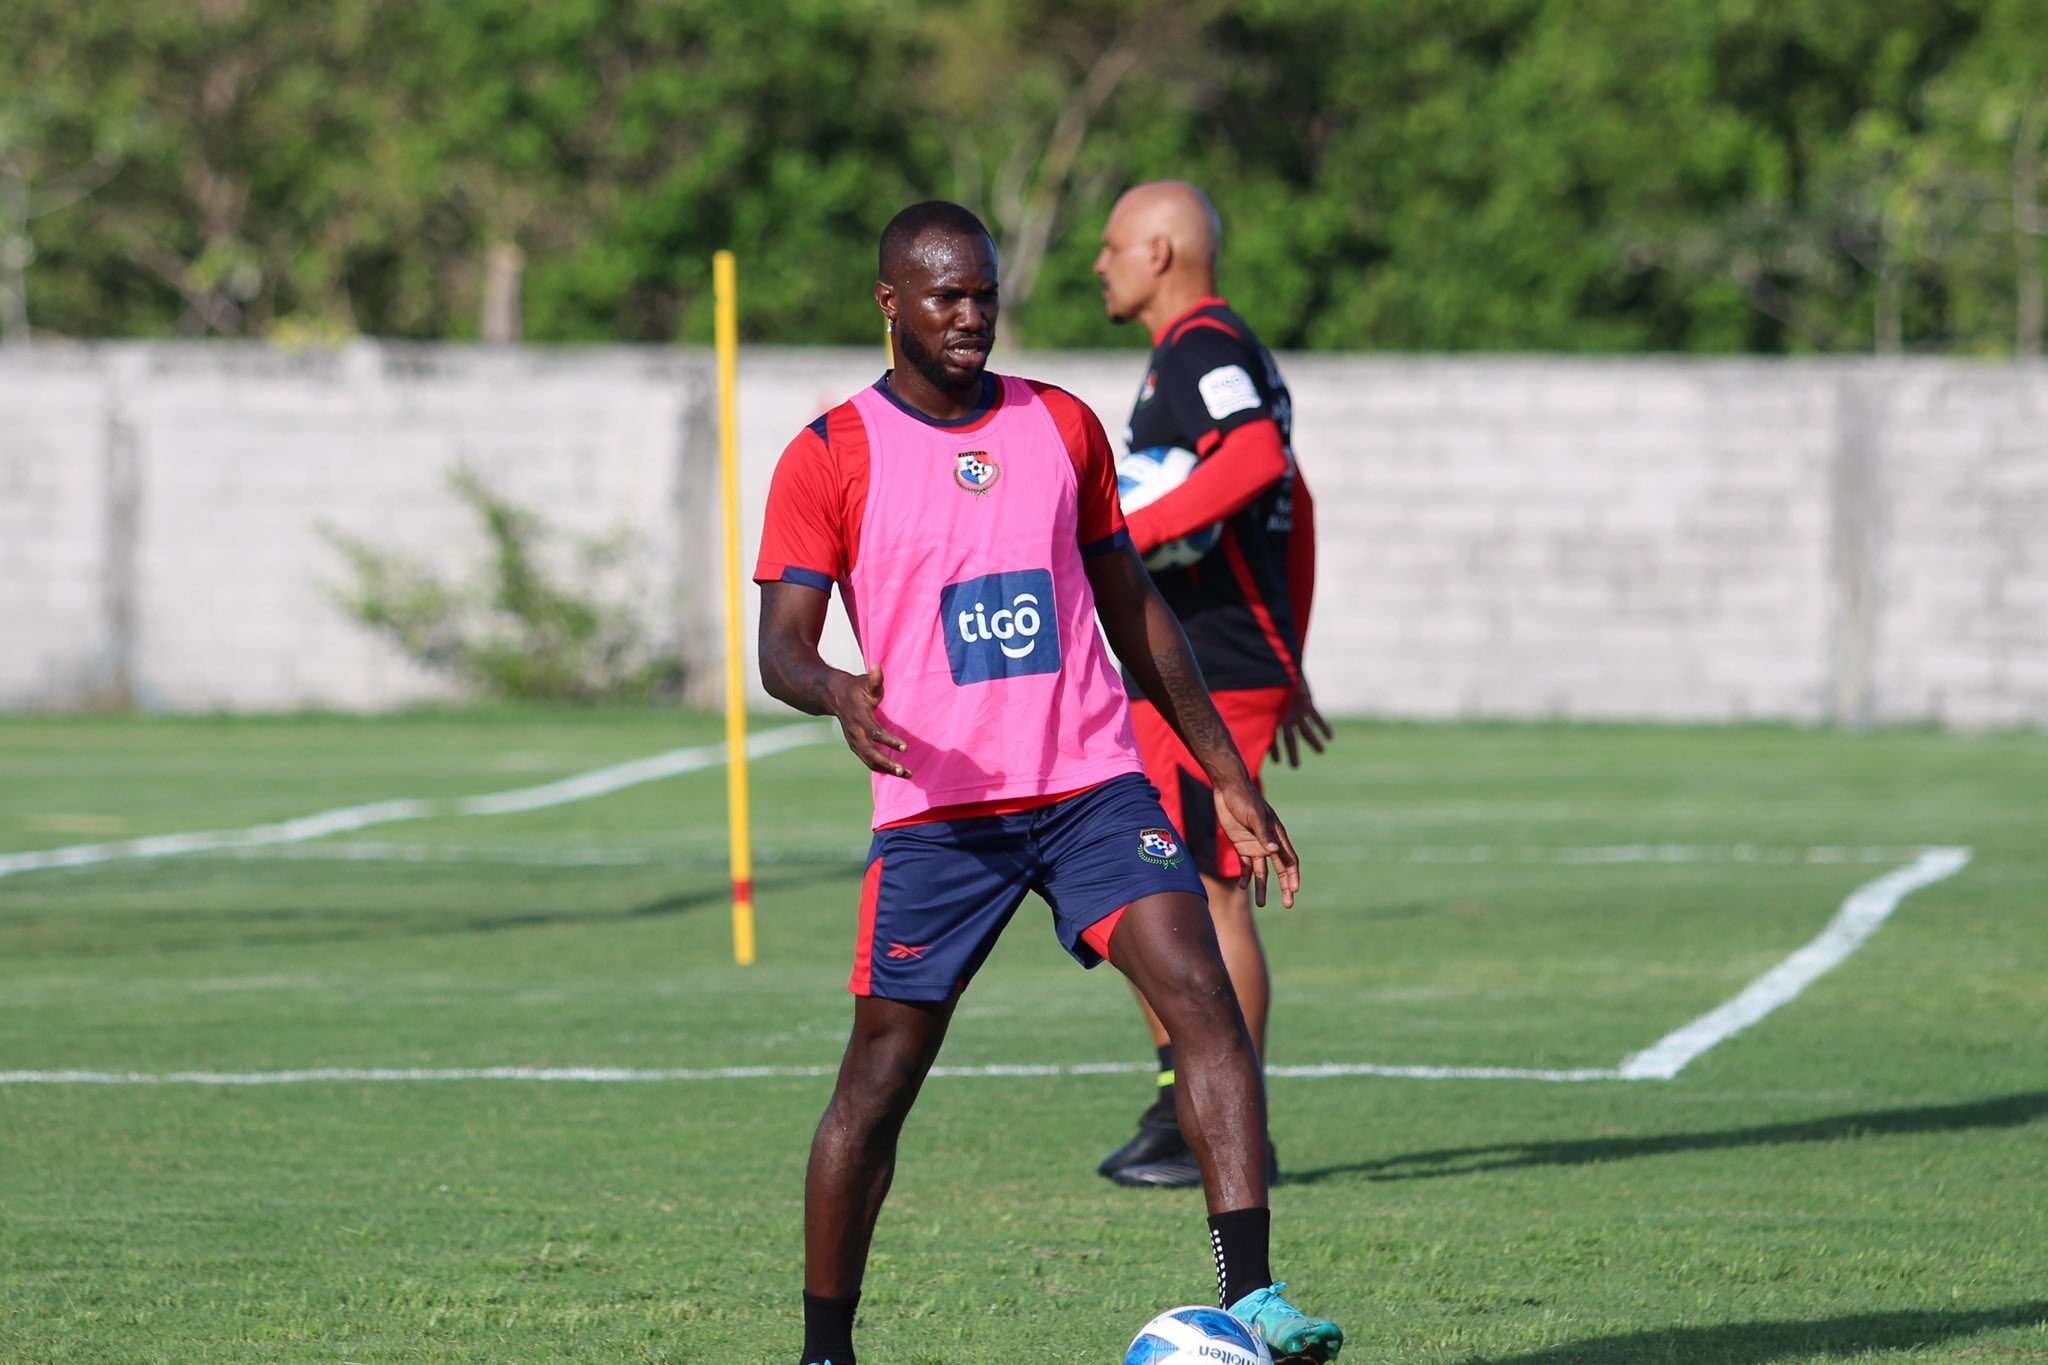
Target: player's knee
[[1197, 998], [879, 1082], [864, 1105]]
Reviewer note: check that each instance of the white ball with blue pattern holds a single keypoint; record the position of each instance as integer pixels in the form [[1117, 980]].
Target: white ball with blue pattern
[[1145, 476], [1197, 1336]]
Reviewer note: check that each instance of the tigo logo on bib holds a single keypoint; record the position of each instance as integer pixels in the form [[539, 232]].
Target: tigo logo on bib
[[1000, 625]]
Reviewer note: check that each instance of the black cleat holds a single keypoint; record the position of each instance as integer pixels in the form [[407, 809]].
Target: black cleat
[[1179, 1171], [1154, 1141], [1175, 1172]]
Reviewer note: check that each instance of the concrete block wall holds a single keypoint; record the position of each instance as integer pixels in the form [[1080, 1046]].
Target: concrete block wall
[[1501, 536], [1959, 611], [1547, 538], [177, 495], [58, 438]]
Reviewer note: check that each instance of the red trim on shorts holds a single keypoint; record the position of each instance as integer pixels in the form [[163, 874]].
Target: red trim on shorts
[[1098, 934], [863, 980], [1251, 714]]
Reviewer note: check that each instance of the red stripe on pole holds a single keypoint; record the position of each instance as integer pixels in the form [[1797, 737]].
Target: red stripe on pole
[[743, 890]]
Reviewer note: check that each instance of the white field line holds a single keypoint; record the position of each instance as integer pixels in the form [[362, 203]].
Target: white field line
[[526, 1073], [1825, 854], [597, 782], [485, 855], [1866, 910], [1326, 1070], [467, 855], [626, 855]]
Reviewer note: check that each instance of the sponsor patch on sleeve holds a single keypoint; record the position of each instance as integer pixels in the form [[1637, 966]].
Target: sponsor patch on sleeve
[[1227, 389]]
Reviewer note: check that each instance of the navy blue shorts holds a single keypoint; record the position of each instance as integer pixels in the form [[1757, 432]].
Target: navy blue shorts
[[938, 894]]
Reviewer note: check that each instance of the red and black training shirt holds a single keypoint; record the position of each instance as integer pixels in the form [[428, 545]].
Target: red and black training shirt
[[1209, 388]]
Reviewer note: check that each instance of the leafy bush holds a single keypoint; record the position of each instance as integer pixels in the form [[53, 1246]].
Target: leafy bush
[[513, 629]]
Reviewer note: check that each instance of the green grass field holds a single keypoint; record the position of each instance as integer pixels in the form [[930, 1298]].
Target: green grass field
[[1861, 1175]]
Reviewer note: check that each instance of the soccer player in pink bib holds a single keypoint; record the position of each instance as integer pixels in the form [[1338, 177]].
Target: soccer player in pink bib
[[970, 523]]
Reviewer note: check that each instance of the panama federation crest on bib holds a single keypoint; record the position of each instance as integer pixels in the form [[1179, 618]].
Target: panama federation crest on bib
[[1158, 846], [976, 471]]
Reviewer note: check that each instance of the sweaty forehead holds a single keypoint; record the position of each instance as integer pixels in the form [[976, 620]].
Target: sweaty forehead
[[943, 256]]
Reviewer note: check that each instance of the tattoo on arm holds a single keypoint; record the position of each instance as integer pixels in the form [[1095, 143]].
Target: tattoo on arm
[[1146, 636], [1189, 707]]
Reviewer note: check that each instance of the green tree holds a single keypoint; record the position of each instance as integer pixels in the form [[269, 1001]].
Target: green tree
[[1707, 175]]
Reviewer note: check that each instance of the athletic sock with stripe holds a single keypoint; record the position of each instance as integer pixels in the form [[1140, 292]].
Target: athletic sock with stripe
[[1161, 1114], [1242, 1241]]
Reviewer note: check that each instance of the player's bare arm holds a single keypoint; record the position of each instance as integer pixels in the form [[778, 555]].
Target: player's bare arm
[[792, 622], [1144, 634]]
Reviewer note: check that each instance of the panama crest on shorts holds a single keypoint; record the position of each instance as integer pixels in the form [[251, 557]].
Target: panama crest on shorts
[[976, 471], [1158, 846]]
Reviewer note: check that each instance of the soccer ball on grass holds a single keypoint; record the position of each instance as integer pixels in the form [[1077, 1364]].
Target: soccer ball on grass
[[1197, 1336]]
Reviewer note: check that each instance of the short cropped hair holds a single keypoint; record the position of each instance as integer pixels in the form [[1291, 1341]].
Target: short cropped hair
[[906, 227]]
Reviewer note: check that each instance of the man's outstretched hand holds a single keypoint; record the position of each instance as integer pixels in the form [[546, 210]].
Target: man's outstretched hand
[[853, 701], [1260, 840]]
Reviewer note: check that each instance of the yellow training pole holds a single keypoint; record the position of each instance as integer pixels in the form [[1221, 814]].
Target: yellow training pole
[[725, 286]]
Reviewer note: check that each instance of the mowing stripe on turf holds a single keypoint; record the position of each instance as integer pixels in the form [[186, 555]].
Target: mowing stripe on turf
[[582, 787], [1866, 910]]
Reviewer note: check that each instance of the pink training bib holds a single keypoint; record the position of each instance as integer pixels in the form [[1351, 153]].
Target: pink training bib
[[969, 592]]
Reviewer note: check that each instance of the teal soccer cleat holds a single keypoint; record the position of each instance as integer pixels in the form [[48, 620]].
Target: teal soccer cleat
[[1293, 1336]]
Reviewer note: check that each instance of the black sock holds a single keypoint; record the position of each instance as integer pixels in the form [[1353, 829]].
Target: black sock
[[828, 1329], [1162, 1113], [1241, 1240]]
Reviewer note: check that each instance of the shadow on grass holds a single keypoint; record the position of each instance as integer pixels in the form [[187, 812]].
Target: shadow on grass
[[2006, 1111], [1756, 1343], [211, 928]]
